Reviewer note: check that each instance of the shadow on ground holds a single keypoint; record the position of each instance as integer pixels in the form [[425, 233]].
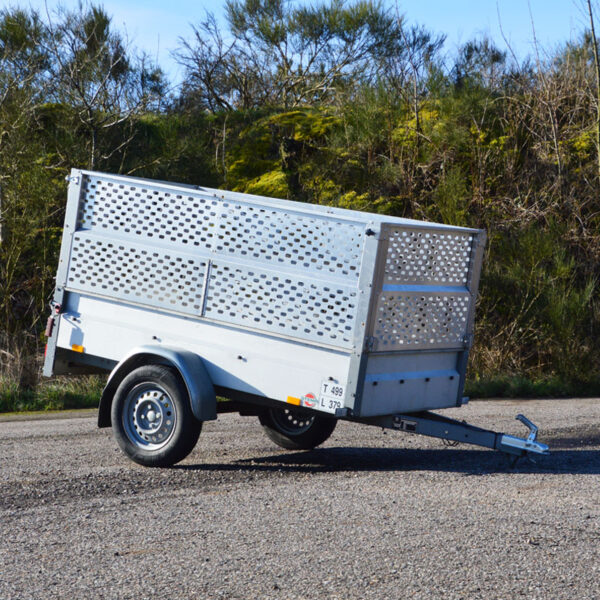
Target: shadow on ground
[[456, 460]]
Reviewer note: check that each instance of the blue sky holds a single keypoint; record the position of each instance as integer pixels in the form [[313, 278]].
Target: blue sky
[[156, 25]]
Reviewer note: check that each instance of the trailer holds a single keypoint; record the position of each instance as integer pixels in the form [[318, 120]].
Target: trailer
[[296, 313]]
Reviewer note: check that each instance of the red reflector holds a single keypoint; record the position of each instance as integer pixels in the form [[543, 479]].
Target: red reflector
[[45, 350]]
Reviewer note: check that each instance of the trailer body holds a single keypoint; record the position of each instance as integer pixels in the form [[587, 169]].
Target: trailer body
[[343, 313]]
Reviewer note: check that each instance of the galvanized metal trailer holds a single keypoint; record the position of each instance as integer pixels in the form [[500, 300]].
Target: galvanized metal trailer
[[299, 314]]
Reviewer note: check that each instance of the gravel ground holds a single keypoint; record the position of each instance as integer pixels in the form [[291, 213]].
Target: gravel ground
[[368, 515]]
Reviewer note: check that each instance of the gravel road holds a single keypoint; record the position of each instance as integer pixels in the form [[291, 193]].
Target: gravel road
[[368, 515]]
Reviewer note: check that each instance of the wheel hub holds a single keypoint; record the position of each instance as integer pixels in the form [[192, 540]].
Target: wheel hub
[[149, 416], [292, 422]]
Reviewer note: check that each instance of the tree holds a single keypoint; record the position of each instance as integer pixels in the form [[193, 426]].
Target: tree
[[23, 87], [70, 96], [597, 75], [277, 54], [104, 84]]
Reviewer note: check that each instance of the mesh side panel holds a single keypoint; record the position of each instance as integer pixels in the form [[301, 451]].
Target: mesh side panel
[[283, 304], [427, 257], [420, 321], [270, 235], [425, 299], [282, 238], [148, 213], [137, 273]]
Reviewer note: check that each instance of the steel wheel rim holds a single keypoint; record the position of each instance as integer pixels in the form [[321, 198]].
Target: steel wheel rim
[[292, 422], [149, 416]]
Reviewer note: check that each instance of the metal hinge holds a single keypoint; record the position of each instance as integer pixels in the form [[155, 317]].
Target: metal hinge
[[72, 179]]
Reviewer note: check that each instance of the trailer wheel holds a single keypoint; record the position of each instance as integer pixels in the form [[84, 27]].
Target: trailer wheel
[[295, 429], [152, 419]]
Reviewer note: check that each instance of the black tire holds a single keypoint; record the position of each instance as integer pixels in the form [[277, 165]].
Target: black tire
[[152, 419], [295, 429]]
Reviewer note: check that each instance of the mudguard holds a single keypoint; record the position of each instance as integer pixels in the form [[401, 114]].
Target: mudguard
[[190, 367]]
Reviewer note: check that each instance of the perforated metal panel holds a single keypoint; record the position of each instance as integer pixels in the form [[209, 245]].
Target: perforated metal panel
[[239, 230], [413, 320], [147, 212], [270, 265], [283, 271], [421, 256], [282, 304], [287, 239], [137, 273], [424, 299]]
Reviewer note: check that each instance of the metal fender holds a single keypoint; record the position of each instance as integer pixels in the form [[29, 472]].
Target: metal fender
[[189, 365]]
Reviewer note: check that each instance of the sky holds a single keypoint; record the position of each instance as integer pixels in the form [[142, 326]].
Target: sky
[[156, 25]]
